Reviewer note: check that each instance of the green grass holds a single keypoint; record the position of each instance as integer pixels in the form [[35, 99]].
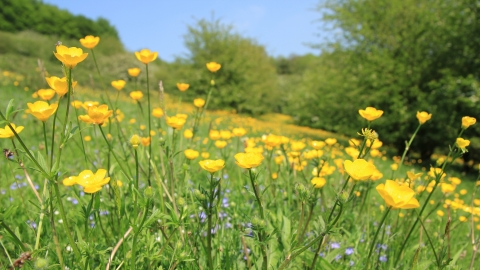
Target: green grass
[[236, 208]]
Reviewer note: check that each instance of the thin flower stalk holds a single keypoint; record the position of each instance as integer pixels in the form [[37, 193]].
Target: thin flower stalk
[[437, 181], [407, 147], [372, 245]]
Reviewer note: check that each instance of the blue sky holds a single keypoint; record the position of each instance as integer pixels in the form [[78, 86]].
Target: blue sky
[[284, 27]]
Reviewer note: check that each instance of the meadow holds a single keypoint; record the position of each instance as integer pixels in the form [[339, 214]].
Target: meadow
[[127, 176]]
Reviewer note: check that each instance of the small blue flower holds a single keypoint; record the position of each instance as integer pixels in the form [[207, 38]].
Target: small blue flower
[[383, 258], [349, 251], [334, 245]]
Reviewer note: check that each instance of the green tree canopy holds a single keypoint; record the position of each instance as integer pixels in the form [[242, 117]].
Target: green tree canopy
[[21, 15], [401, 56], [247, 80]]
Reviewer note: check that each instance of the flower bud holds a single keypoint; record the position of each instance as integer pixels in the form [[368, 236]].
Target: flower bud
[[198, 195], [212, 82], [258, 224], [148, 192], [181, 202], [41, 263], [344, 196], [135, 141], [161, 141], [185, 166]]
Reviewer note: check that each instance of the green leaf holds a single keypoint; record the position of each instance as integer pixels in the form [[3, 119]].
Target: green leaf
[[324, 264], [42, 162], [9, 109]]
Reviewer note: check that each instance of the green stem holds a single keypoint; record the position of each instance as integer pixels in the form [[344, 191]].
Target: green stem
[[45, 139], [6, 252], [81, 138], [135, 235], [262, 214], [437, 181], [209, 223], [65, 221], [53, 139], [429, 241], [135, 194], [407, 147], [376, 235], [149, 112], [40, 225], [114, 155], [58, 250]]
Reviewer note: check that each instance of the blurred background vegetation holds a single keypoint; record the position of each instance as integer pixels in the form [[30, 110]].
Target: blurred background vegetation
[[401, 56]]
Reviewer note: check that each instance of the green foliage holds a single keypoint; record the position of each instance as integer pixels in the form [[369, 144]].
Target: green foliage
[[19, 53], [21, 15], [247, 80], [401, 57]]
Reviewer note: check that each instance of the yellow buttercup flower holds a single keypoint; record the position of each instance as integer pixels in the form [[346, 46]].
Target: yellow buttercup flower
[[157, 112], [297, 145], [87, 138], [70, 57], [134, 72], [191, 154], [318, 182], [214, 134], [119, 84], [468, 121], [87, 104], [212, 166], [239, 132], [412, 176], [7, 131], [183, 86], [46, 94], [331, 141], [77, 104], [146, 141], [423, 117], [205, 155], [225, 134], [359, 169], [90, 182], [135, 141], [318, 144], [272, 140], [447, 188], [248, 160], [462, 143], [198, 102], [136, 95], [96, 115], [89, 41], [146, 56], [188, 134], [42, 110], [213, 66], [60, 85], [182, 115], [370, 113], [396, 196], [175, 122], [220, 144]]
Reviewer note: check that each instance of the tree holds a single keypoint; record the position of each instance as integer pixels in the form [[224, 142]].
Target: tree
[[247, 80], [401, 56]]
